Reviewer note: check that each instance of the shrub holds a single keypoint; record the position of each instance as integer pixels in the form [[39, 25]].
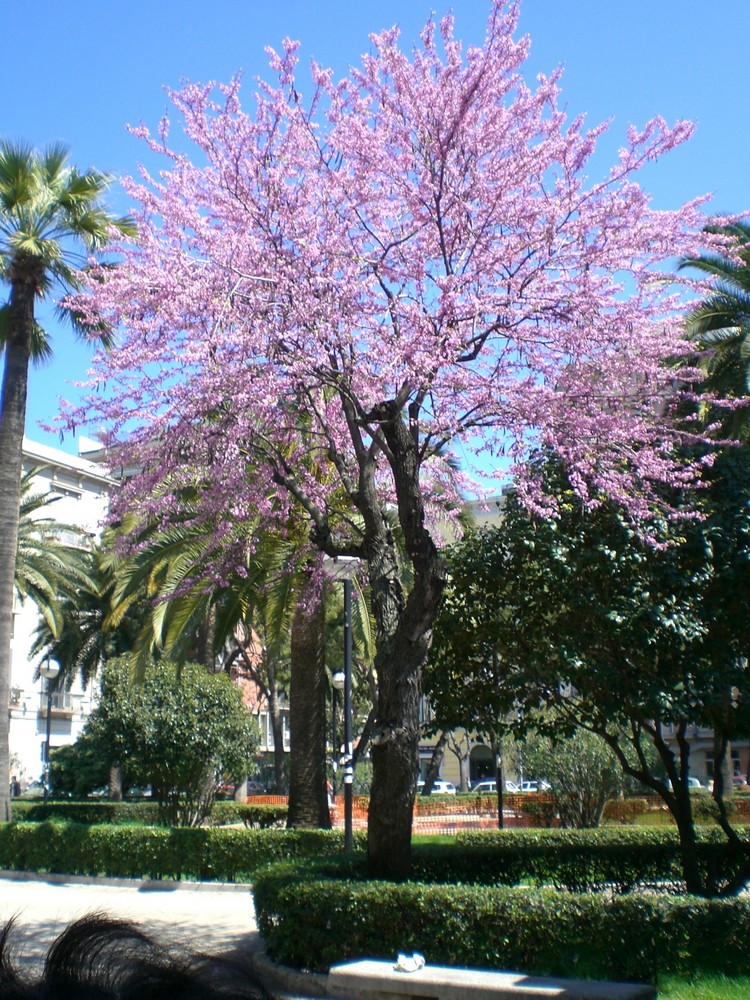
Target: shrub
[[543, 809], [87, 812], [218, 854], [322, 913], [625, 810], [615, 858]]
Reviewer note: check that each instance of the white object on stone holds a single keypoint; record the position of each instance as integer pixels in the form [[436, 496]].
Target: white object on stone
[[409, 963]]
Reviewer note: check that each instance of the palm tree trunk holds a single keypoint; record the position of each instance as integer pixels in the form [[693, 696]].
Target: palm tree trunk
[[308, 801], [12, 419]]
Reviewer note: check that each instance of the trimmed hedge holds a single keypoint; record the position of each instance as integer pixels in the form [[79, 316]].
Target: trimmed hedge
[[86, 812], [214, 854], [315, 915], [614, 858], [145, 812]]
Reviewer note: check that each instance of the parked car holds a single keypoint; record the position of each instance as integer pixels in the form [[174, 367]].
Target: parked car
[[692, 783], [487, 786], [512, 787], [739, 779], [535, 786], [439, 787]]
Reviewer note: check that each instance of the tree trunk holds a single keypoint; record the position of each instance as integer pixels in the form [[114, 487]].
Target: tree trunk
[[308, 799], [438, 752], [277, 730], [115, 783], [404, 634], [12, 419], [395, 744]]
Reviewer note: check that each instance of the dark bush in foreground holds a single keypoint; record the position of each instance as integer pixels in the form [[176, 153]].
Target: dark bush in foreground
[[313, 916]]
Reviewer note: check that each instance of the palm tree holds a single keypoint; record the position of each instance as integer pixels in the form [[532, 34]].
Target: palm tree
[[48, 209], [49, 569], [266, 622], [720, 325]]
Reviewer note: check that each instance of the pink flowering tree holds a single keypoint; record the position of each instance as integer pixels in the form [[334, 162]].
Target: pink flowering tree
[[335, 292]]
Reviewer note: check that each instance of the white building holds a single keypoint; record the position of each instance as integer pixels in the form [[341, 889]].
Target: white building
[[83, 490]]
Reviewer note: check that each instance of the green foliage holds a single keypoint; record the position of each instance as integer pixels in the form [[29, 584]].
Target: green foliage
[[78, 768], [258, 816], [92, 631], [182, 733], [221, 854], [99, 811], [317, 914], [620, 634], [720, 324], [53, 560], [582, 771], [625, 810]]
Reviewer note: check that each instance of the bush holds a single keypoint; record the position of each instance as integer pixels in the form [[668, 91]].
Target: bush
[[543, 809], [315, 915], [99, 811], [145, 812], [612, 858], [220, 854], [625, 810]]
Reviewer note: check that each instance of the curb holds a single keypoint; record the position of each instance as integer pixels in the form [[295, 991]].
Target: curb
[[291, 981], [142, 884]]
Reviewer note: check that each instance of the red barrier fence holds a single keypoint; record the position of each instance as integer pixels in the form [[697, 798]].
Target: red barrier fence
[[441, 814]]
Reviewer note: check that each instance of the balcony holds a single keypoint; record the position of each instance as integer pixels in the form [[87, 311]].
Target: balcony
[[64, 705]]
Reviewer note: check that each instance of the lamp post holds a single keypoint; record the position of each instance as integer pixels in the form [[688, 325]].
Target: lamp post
[[344, 568], [49, 670], [338, 681]]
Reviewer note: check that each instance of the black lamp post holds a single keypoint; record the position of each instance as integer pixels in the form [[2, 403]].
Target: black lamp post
[[344, 568], [337, 684], [49, 670]]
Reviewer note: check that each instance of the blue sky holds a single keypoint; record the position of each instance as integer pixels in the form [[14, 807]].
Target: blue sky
[[81, 74]]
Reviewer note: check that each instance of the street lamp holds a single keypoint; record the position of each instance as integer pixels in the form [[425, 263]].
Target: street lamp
[[337, 684], [49, 670], [344, 568]]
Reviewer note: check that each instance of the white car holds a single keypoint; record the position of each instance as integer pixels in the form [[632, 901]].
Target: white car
[[535, 786], [439, 787], [487, 786]]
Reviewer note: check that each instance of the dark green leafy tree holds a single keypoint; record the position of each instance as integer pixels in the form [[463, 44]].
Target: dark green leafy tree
[[78, 768], [465, 679], [632, 640], [183, 732]]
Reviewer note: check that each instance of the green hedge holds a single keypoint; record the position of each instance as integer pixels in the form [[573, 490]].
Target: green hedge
[[613, 858], [147, 812], [214, 854], [316, 915], [86, 812]]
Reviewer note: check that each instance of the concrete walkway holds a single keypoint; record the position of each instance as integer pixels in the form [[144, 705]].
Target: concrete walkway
[[204, 917]]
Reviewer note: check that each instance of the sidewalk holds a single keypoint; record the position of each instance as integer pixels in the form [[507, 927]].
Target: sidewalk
[[211, 917], [206, 917]]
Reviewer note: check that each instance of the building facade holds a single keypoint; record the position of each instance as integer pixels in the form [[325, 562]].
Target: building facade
[[82, 492]]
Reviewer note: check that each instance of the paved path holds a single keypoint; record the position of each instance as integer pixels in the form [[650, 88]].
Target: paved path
[[213, 919]]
